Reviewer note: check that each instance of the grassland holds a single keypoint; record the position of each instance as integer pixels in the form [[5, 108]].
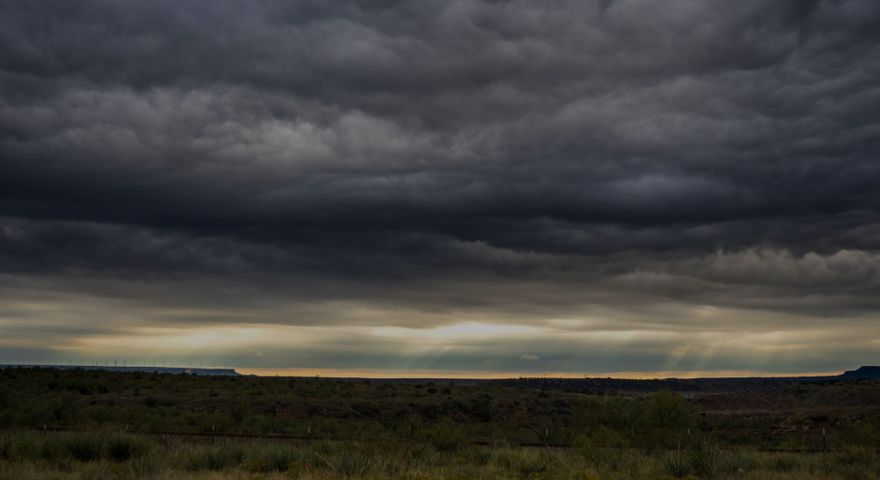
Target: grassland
[[82, 424]]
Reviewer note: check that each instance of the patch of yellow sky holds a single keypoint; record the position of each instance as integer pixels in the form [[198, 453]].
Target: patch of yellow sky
[[236, 337], [481, 375], [209, 340]]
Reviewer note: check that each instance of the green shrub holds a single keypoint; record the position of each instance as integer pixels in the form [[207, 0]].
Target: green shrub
[[5, 447], [607, 437], [736, 462], [854, 456], [530, 462], [446, 437], [145, 465], [271, 458], [227, 455], [705, 459], [783, 463], [102, 471], [480, 456], [525, 461], [27, 447], [598, 455], [120, 448], [678, 464], [625, 463], [354, 463], [420, 453], [83, 448], [237, 412]]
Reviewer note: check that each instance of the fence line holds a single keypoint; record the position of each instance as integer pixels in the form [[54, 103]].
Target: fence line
[[304, 438]]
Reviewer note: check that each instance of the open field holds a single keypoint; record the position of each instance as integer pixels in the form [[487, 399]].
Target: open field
[[95, 424], [126, 456]]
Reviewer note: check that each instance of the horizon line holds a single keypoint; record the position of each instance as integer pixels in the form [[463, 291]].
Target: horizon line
[[485, 375], [356, 373]]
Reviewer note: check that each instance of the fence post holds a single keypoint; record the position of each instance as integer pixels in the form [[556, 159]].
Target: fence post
[[825, 465]]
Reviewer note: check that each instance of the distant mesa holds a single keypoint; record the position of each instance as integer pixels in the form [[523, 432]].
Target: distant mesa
[[862, 373], [209, 372]]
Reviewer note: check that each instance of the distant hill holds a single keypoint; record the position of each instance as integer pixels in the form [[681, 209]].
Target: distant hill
[[602, 386], [210, 372], [862, 373]]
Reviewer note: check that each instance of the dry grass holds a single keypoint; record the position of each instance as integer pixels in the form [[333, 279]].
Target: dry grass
[[410, 431], [29, 455]]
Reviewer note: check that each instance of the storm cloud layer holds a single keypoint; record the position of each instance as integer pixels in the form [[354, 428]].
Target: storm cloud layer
[[494, 186]]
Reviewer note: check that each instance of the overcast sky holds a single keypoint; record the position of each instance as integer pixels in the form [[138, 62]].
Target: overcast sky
[[483, 187]]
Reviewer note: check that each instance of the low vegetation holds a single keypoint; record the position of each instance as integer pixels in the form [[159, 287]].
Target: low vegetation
[[25, 455], [105, 425]]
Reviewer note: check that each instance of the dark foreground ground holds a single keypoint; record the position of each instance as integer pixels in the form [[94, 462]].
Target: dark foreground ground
[[100, 424]]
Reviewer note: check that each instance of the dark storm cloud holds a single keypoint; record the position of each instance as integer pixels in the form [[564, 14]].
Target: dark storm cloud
[[440, 161]]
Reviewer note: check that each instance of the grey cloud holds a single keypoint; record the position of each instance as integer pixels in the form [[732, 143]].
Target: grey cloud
[[442, 162]]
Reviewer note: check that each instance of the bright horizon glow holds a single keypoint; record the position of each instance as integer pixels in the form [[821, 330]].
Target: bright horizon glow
[[477, 375], [423, 373], [493, 350]]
